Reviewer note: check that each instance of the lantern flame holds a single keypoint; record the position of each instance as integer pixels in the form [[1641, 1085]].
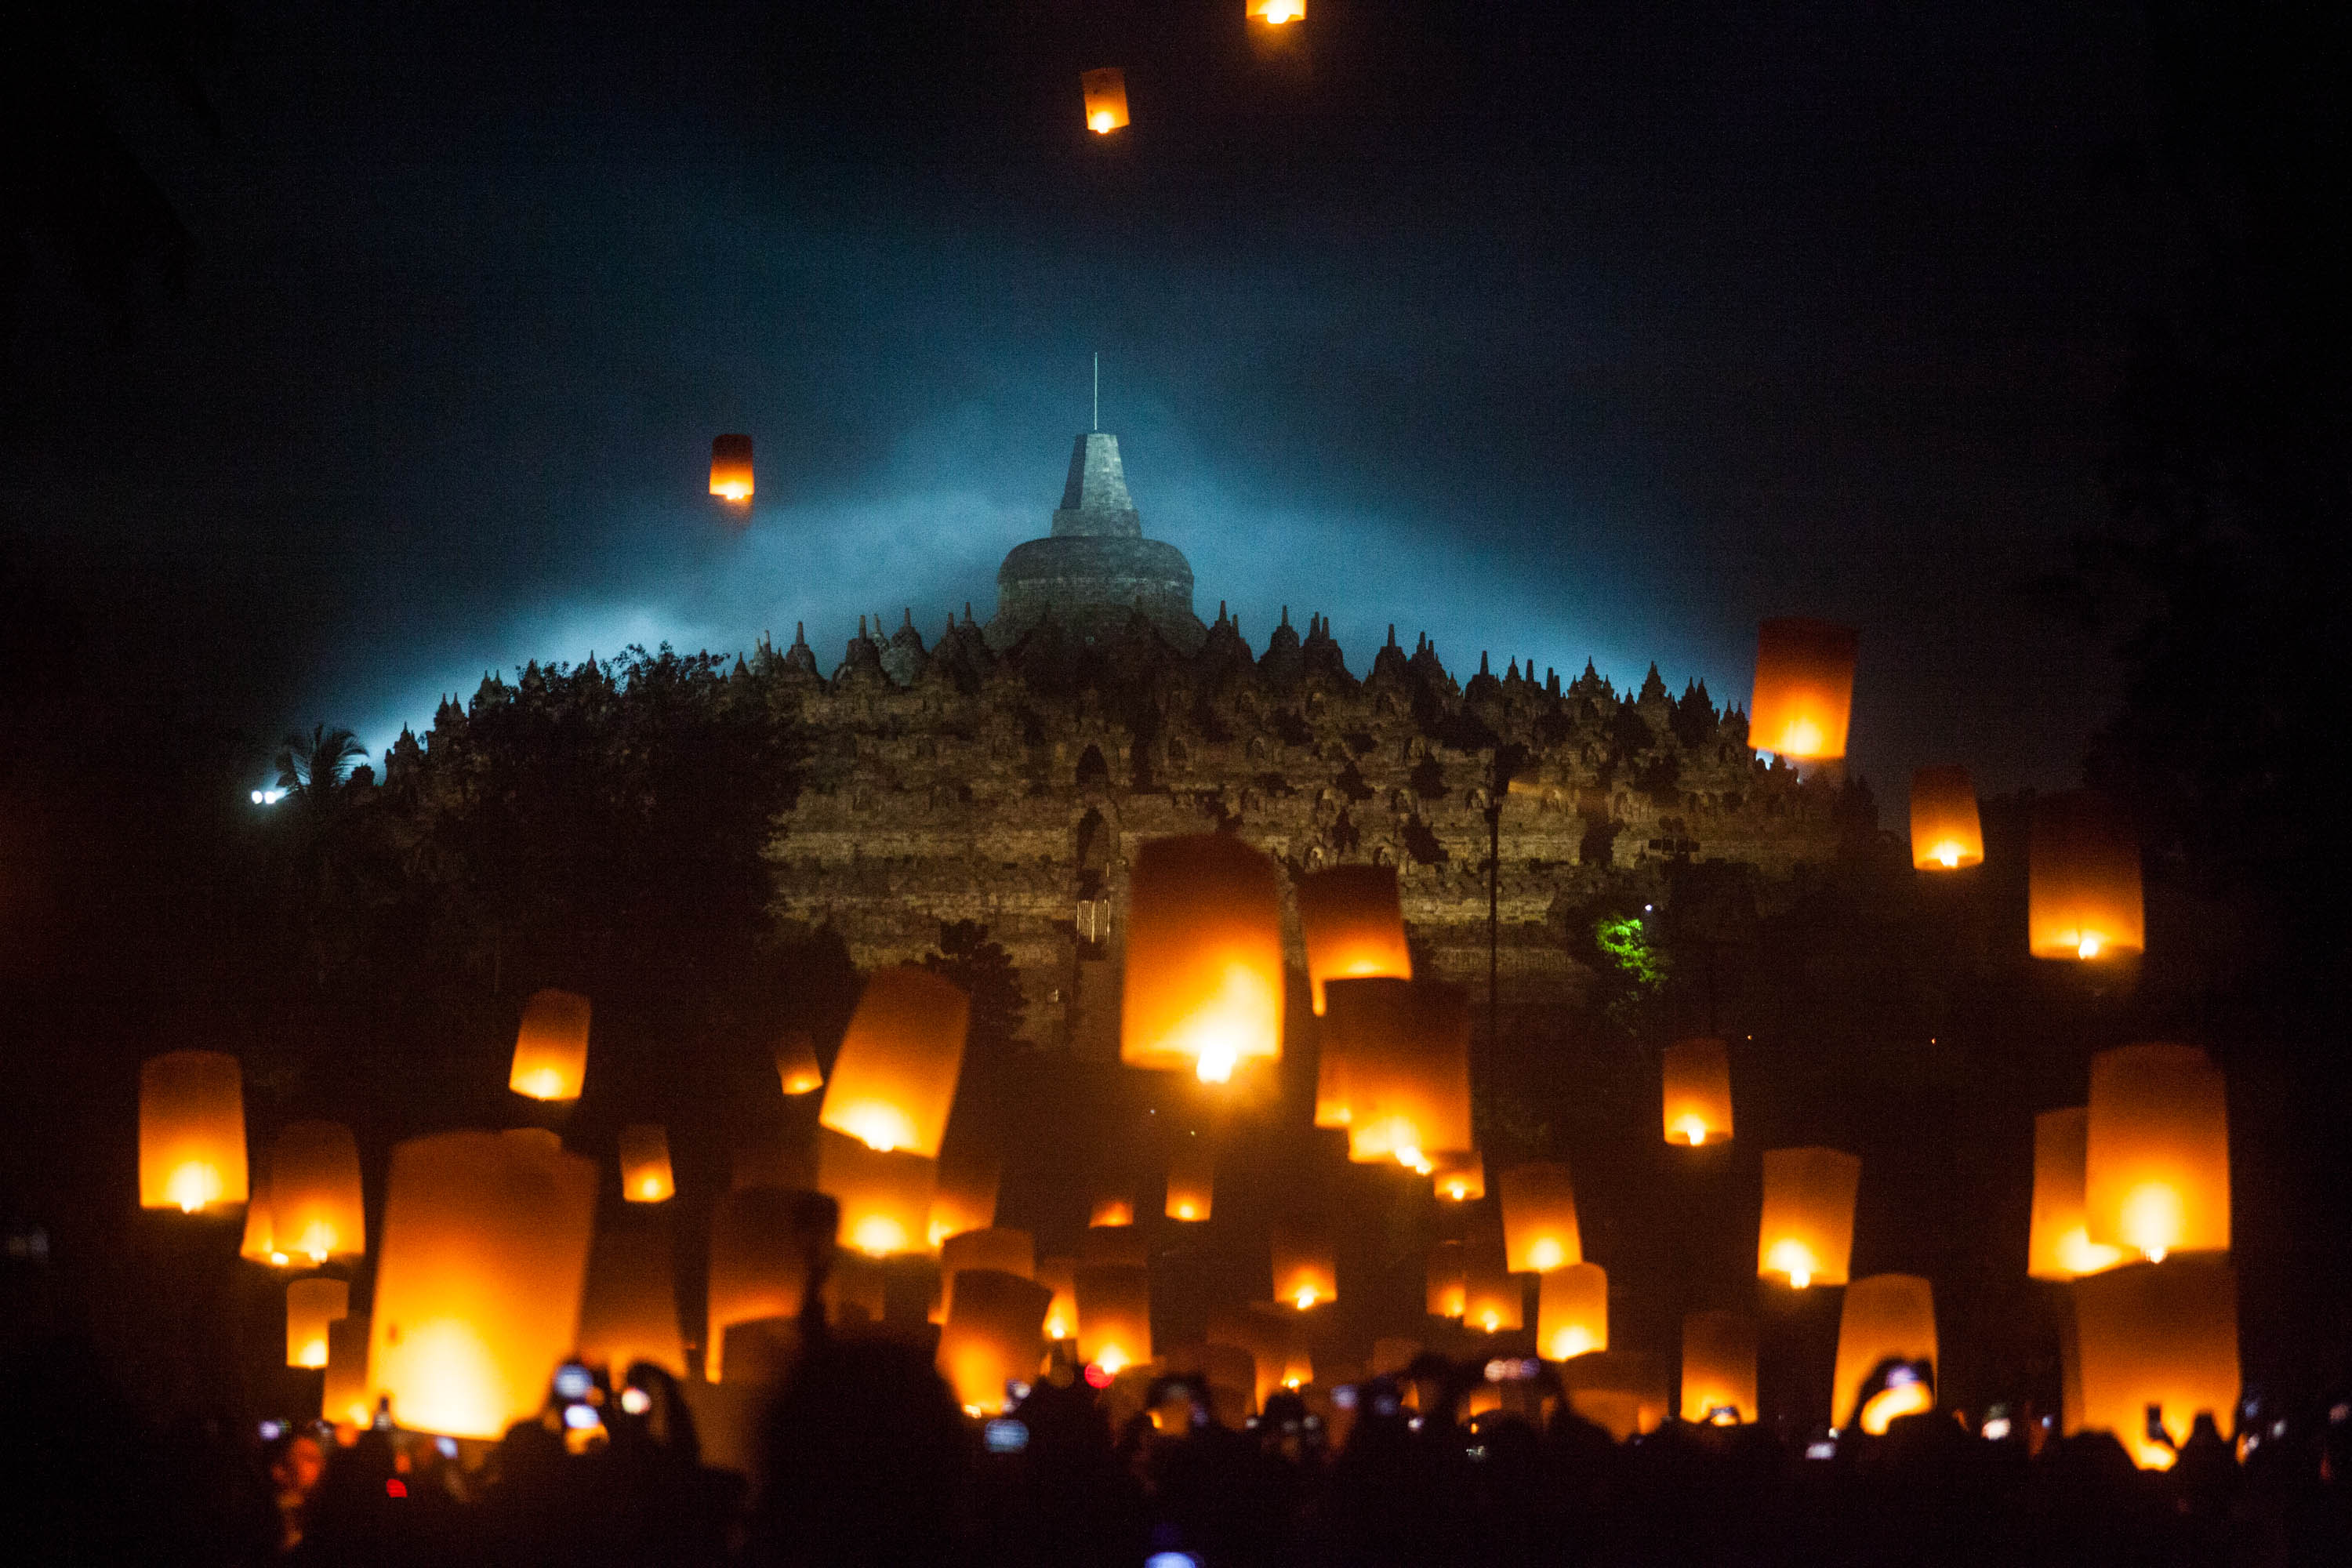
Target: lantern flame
[[541, 1083], [1793, 1259], [1102, 122], [2081, 1255], [1112, 1361], [1216, 1065], [1493, 1320], [2152, 1219], [1307, 1297], [1547, 1255], [881, 1128], [878, 1235], [1948, 856], [1413, 1159], [1694, 1131], [2089, 945], [1056, 1328], [193, 1184], [1569, 1343], [1277, 12]]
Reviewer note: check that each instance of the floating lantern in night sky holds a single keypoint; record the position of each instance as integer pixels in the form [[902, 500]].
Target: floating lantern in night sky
[[551, 1054], [1203, 990], [1804, 689], [895, 1076], [1946, 834], [190, 1131]]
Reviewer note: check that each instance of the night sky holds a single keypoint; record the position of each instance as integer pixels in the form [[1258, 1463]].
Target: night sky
[[1557, 332]]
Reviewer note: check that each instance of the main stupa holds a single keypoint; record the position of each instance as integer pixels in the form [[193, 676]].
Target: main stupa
[[1096, 568]]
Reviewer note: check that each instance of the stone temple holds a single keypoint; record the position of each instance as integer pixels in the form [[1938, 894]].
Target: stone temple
[[1007, 774]]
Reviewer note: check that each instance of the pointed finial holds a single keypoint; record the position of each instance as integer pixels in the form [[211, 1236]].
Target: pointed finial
[[1392, 642], [1286, 614], [1481, 661]]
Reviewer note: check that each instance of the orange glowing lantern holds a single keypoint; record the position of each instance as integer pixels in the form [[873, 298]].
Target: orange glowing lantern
[[731, 469], [1540, 1230], [1205, 977], [1458, 1175], [1697, 1098], [993, 1337], [1945, 832], [2083, 887], [796, 1064], [2157, 1152], [1354, 926], [629, 1310], [2161, 1334], [966, 1197], [1448, 1284], [1123, 1245], [1806, 1233], [2060, 1245], [885, 1194], [1005, 1251], [895, 1076], [1572, 1312], [1623, 1391], [1305, 1274], [758, 1267], [645, 1164], [1804, 689], [1192, 1180], [1493, 1299], [313, 1202], [190, 1131], [1886, 1317], [478, 1280], [1114, 1305], [260, 1242], [311, 1306], [1106, 91], [551, 1054], [343, 1397], [1111, 1209], [1719, 1369], [1277, 12], [1060, 1275], [1407, 1048]]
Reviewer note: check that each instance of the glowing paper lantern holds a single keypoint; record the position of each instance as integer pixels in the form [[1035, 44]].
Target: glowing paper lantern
[[1005, 1251], [1124, 1245], [2157, 1152], [895, 1076], [551, 1054], [1540, 1230], [315, 1209], [1492, 1300], [1623, 1391], [344, 1397], [1305, 1274], [1192, 1180], [1804, 689], [1719, 1368], [1060, 1275], [1884, 1317], [1203, 985], [1572, 1312], [731, 469], [1458, 1175], [311, 1305], [1806, 1233], [1697, 1098], [2082, 888], [966, 1197], [190, 1131], [1112, 1209], [1408, 1056], [2060, 1245], [1277, 12], [796, 1064], [1945, 832], [260, 1242], [478, 1280], [758, 1268], [885, 1196], [1114, 1307], [993, 1337], [645, 1164], [1106, 91], [2162, 1334], [629, 1310], [1353, 924], [1448, 1283]]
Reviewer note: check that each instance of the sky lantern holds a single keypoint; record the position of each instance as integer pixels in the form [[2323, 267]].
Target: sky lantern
[[1492, 1300], [1806, 1233], [1945, 833], [190, 1131], [730, 470], [885, 1194], [644, 1163], [2060, 1245], [551, 1054], [1697, 1098], [259, 1241], [1572, 1312], [478, 1280], [1448, 1284], [965, 1199], [2082, 888], [1204, 986], [628, 1313], [1305, 1273], [315, 1209], [2156, 1177], [1408, 1044], [344, 1397], [310, 1305], [1192, 1180], [796, 1064], [1540, 1230], [2162, 1334], [1884, 1317], [1114, 1303], [895, 1077], [1353, 925], [1804, 689], [758, 1268], [1006, 1252], [1458, 1175], [1106, 91], [1719, 1368], [1061, 1276], [1111, 1207], [993, 1337], [1277, 12]]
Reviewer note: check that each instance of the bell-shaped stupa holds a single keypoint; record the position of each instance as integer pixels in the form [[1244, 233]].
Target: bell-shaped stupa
[[1096, 568]]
